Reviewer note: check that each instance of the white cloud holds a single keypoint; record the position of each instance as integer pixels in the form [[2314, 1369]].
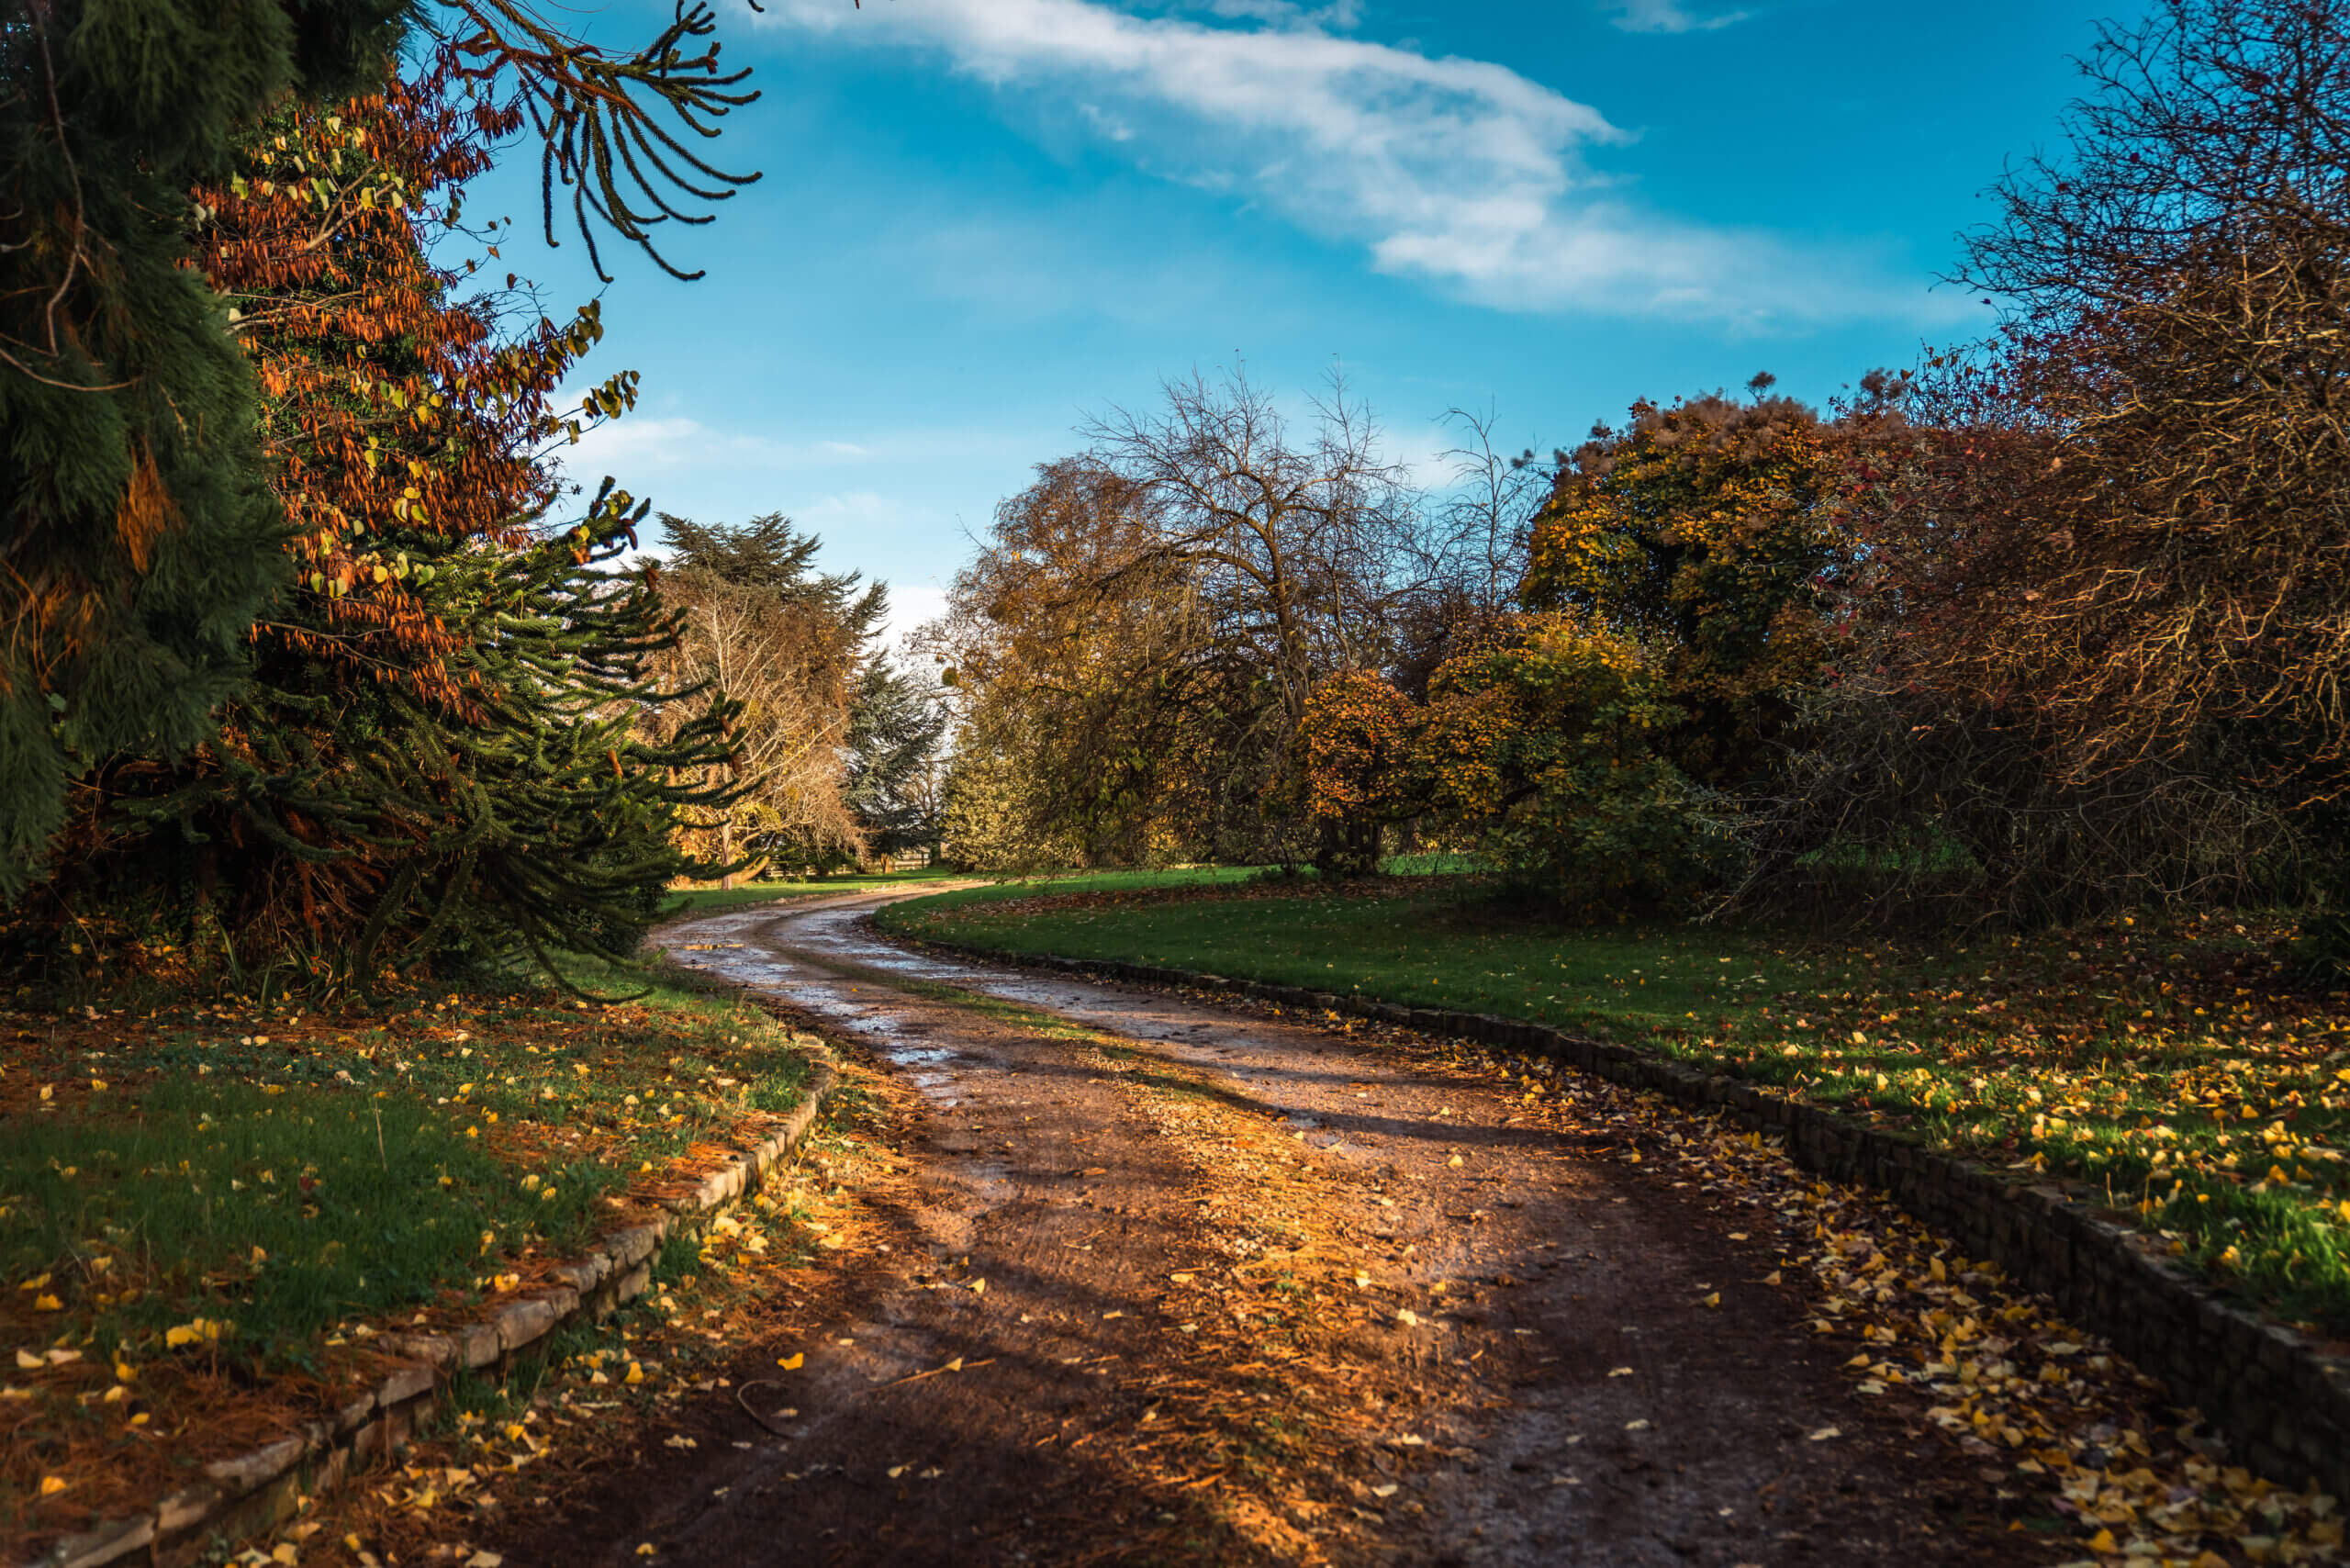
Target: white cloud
[[1338, 17], [911, 604], [639, 444], [1669, 16], [1461, 171]]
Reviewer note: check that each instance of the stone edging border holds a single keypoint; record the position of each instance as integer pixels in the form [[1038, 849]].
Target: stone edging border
[[257, 1491], [2283, 1405]]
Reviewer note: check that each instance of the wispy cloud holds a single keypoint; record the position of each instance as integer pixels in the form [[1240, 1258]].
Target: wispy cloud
[[1669, 16], [646, 444], [1461, 171]]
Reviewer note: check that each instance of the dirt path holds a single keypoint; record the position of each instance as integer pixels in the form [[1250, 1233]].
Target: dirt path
[[1214, 1287]]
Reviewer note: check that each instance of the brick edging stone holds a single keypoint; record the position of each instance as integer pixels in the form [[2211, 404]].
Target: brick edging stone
[[255, 1492], [2283, 1405]]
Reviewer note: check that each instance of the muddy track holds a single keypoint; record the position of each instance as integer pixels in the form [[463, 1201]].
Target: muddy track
[[1160, 1283]]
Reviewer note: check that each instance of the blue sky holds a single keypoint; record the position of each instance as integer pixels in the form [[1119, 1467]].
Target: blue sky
[[983, 219]]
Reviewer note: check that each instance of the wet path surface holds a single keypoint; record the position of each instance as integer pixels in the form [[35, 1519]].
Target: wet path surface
[[1218, 1287]]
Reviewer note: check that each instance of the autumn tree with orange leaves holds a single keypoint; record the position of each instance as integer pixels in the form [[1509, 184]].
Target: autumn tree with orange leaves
[[1675, 613], [138, 534], [439, 747]]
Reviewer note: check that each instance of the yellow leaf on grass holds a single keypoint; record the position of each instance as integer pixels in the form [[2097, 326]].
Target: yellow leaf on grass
[[978, 1287], [635, 1373], [794, 1362], [286, 1553], [27, 1359], [36, 1282], [2103, 1541], [644, 1549], [48, 1303], [50, 1485]]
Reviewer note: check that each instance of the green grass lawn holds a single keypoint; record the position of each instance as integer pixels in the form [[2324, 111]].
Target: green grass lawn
[[202, 1199], [695, 900], [2173, 1068]]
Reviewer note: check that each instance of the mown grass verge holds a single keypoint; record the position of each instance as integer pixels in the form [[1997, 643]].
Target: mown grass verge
[[2176, 1067], [210, 1212], [705, 901]]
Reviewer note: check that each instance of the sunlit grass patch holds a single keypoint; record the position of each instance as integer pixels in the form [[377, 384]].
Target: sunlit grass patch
[[2173, 1068], [204, 1202], [701, 900]]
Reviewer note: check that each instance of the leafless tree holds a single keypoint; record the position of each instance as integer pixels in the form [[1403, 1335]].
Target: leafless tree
[[1485, 524], [1298, 545]]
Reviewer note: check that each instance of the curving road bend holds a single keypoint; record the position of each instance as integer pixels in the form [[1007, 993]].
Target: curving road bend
[[1228, 1288]]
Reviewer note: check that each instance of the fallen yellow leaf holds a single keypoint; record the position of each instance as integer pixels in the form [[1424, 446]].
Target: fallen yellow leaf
[[794, 1362], [50, 1485]]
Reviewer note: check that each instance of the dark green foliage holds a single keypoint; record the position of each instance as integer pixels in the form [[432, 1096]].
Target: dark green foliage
[[137, 539], [542, 821], [895, 726], [767, 554]]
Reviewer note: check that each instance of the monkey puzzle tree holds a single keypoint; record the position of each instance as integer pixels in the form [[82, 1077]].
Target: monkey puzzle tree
[[437, 738], [139, 538]]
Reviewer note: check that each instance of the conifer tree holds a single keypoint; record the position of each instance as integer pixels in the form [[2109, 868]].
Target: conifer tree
[[768, 630], [895, 726], [138, 540], [439, 745]]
